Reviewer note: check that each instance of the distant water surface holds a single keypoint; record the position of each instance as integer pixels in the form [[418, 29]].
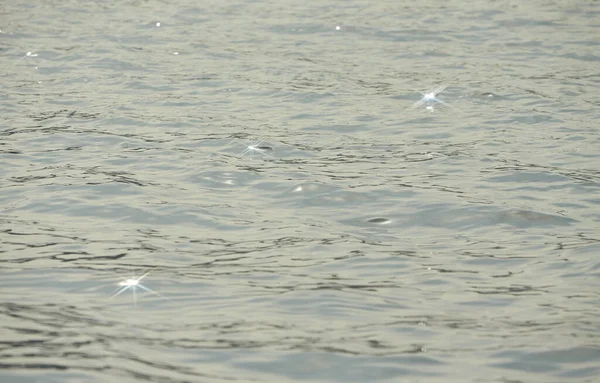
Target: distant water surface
[[300, 219]]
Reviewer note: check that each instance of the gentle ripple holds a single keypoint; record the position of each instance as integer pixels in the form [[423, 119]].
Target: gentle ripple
[[365, 241]]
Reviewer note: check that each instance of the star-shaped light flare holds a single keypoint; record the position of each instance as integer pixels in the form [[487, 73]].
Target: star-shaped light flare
[[133, 283], [431, 97], [256, 146]]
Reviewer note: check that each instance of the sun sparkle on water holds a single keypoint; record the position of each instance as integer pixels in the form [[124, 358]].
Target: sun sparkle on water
[[133, 283]]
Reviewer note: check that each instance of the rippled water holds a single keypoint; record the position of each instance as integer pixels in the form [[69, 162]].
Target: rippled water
[[365, 240]]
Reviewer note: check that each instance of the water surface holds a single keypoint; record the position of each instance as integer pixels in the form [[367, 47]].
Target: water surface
[[366, 241]]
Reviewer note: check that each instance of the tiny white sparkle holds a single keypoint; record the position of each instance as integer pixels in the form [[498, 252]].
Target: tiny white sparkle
[[256, 146], [132, 283], [430, 98], [28, 54]]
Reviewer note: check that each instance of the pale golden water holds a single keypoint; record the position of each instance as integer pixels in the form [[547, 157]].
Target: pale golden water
[[364, 241]]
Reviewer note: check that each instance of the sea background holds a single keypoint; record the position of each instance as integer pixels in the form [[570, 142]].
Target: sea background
[[366, 241]]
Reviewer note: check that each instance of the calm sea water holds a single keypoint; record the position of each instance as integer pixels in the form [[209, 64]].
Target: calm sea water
[[366, 240]]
